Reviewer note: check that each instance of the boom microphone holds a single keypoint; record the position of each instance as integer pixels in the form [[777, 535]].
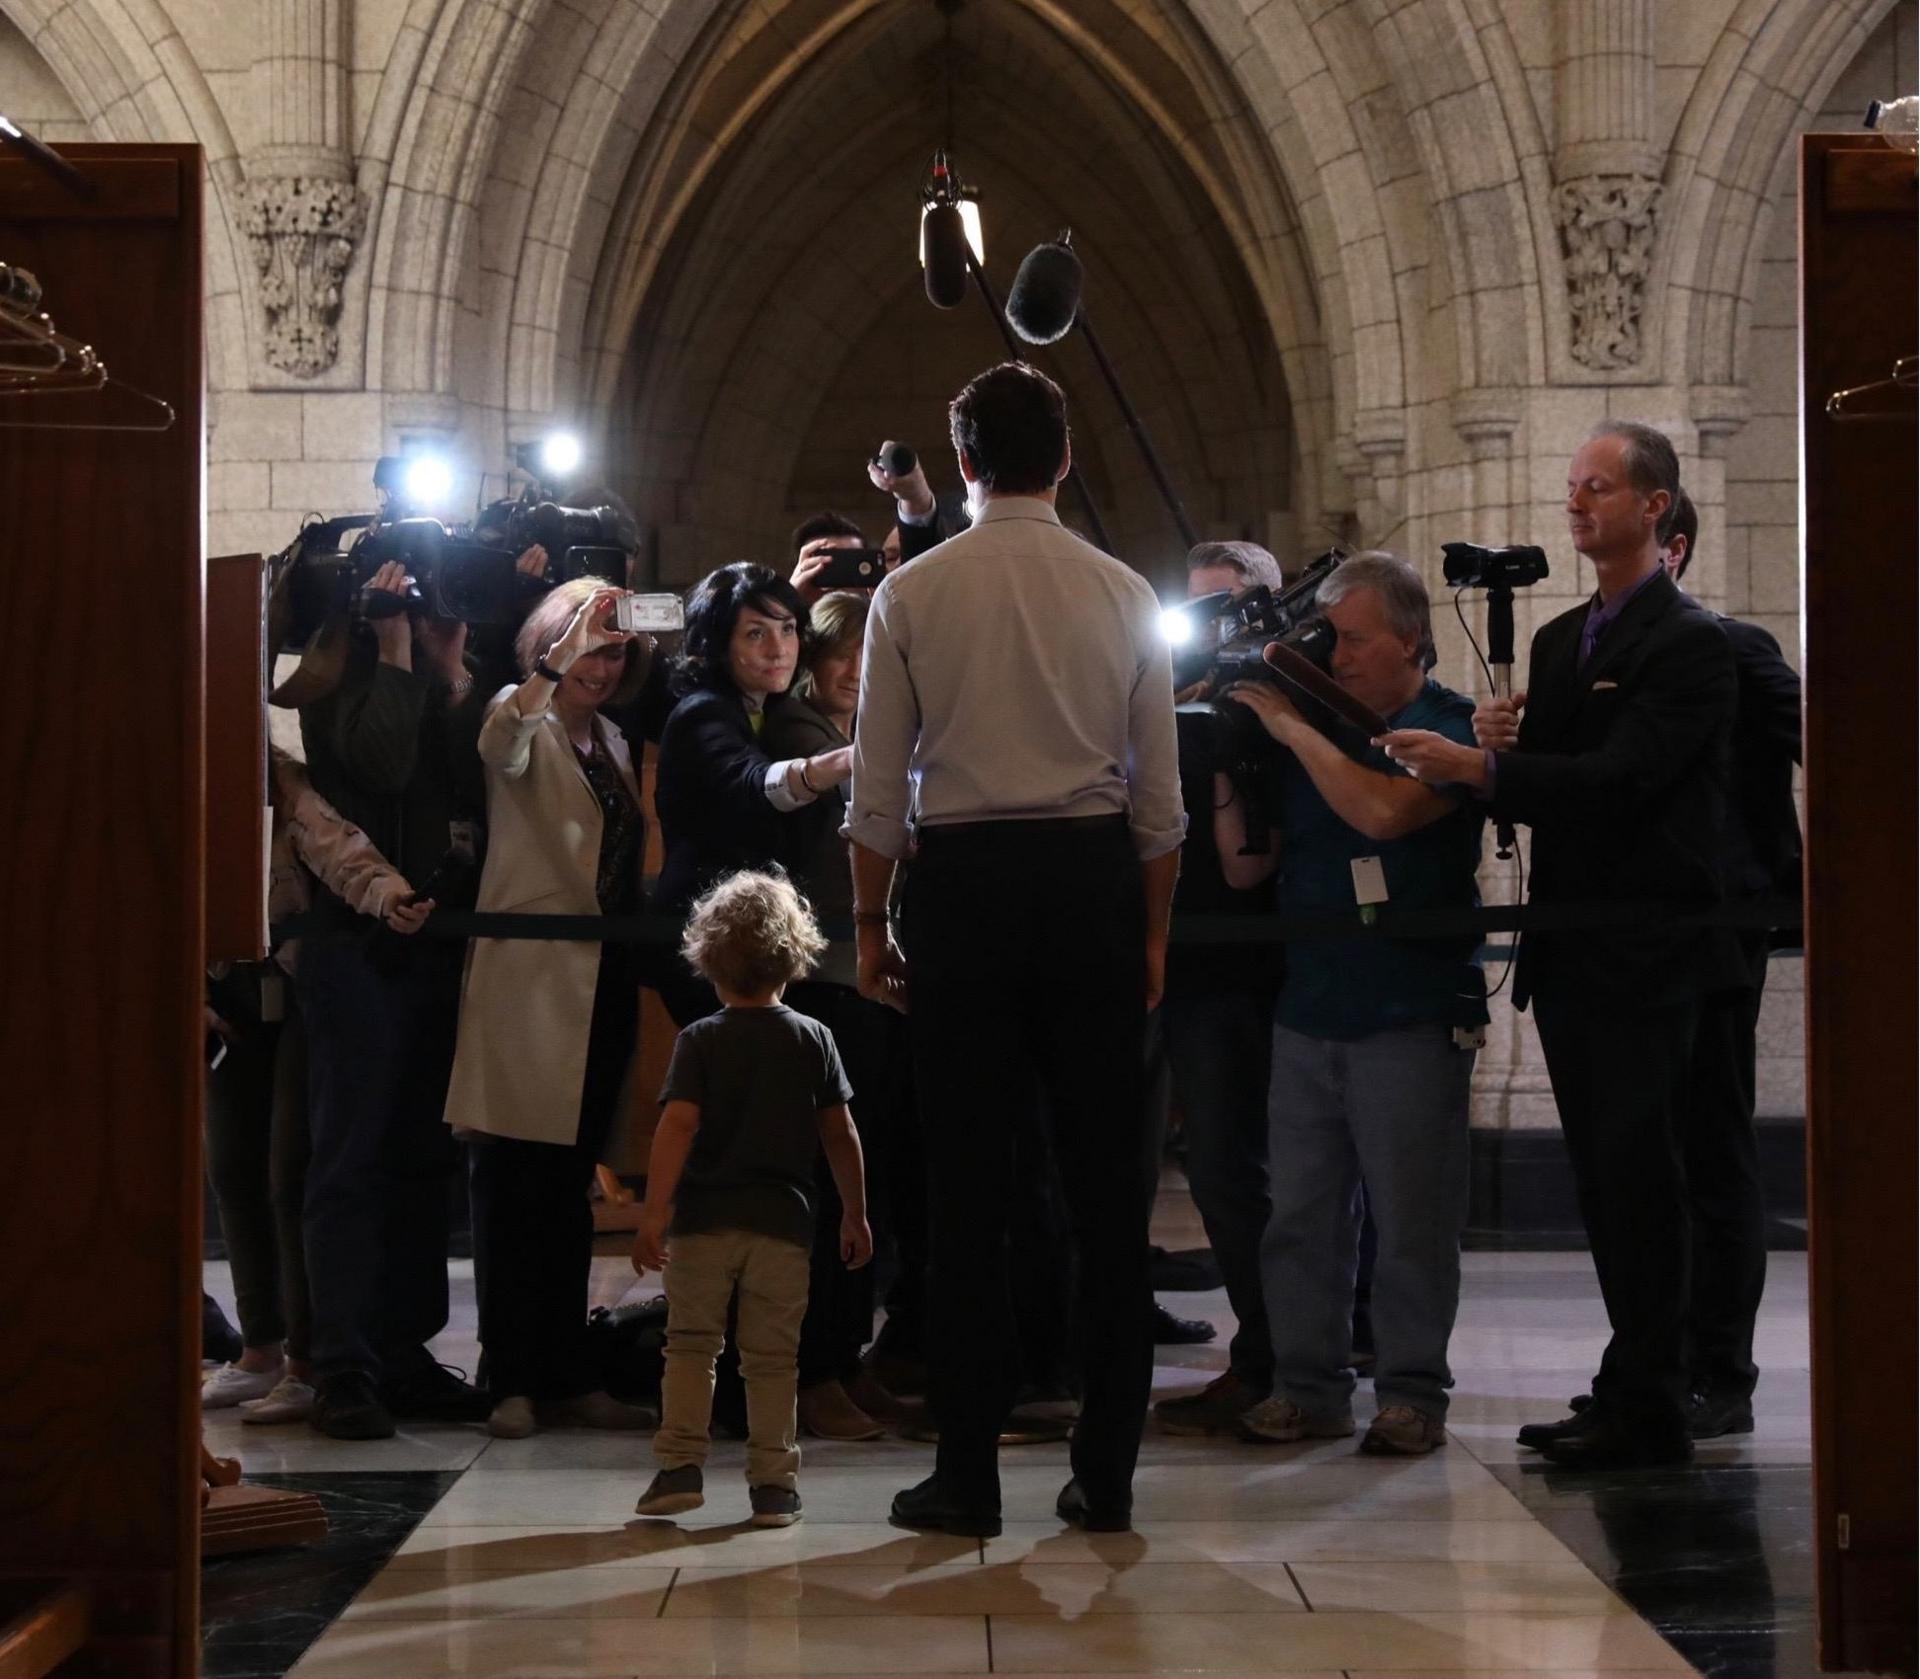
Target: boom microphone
[[946, 265], [1045, 299]]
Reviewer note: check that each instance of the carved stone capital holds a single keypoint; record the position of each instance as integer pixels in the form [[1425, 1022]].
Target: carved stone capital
[[1719, 412], [1606, 225], [1486, 421], [302, 230]]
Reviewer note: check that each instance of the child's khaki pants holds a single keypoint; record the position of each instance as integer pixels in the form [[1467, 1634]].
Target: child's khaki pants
[[703, 1271]]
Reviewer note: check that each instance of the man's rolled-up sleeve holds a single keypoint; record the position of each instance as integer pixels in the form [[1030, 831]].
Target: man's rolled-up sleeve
[[1158, 818], [884, 734]]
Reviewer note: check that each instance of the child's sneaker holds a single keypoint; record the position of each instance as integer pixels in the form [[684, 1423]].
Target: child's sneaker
[[774, 1506], [674, 1490], [230, 1385], [290, 1401]]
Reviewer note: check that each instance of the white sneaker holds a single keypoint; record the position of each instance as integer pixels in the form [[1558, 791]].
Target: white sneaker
[[229, 1385], [290, 1401]]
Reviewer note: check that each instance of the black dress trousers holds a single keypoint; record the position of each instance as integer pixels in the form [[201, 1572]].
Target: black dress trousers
[[1025, 944], [1621, 1079]]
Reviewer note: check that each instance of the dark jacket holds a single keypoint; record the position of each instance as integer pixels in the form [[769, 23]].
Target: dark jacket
[[817, 851], [1761, 855], [710, 794], [1621, 772], [389, 752]]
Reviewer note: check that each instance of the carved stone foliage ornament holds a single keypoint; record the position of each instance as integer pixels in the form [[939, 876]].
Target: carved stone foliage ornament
[[1606, 227], [302, 231]]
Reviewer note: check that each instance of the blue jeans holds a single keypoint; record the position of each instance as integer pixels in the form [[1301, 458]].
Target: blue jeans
[[1391, 1109], [1220, 1043]]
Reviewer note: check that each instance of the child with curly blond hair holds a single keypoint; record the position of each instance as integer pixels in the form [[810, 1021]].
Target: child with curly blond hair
[[752, 1095]]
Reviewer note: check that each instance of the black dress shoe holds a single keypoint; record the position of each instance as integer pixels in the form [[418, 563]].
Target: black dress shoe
[[1711, 1415], [346, 1407], [1611, 1444], [930, 1508], [219, 1340], [430, 1392], [1170, 1331], [1537, 1436], [1077, 1510]]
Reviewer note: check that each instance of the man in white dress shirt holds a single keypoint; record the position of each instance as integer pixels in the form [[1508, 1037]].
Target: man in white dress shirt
[[1016, 724]]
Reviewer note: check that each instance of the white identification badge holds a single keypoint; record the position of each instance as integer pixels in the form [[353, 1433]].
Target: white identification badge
[[1369, 881]]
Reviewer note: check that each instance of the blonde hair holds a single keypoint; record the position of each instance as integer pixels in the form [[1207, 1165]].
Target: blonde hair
[[752, 933], [839, 621], [548, 622]]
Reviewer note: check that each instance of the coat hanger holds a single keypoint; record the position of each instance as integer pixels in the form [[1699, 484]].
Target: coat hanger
[[38, 359], [1881, 399]]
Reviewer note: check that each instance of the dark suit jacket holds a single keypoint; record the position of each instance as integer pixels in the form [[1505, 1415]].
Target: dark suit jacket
[[1621, 772], [1761, 856], [710, 794]]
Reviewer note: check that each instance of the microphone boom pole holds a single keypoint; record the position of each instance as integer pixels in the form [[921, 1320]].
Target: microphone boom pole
[[1015, 353], [1147, 451]]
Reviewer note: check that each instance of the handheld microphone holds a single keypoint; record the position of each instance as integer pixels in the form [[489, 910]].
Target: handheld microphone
[[896, 458], [1045, 299], [946, 266]]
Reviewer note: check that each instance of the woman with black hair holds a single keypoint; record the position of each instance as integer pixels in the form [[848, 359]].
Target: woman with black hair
[[719, 794]]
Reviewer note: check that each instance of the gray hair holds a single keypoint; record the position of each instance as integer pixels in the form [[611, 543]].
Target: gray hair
[[1403, 596], [1248, 561], [1650, 459]]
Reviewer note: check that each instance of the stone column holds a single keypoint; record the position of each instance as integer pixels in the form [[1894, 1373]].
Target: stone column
[[305, 215], [1606, 195]]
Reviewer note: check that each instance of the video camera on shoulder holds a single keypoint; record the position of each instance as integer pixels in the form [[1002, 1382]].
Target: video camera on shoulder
[[580, 541], [1220, 640], [453, 571]]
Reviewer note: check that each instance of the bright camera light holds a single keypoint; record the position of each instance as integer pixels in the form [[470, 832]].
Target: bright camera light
[[1176, 627], [560, 453], [428, 481]]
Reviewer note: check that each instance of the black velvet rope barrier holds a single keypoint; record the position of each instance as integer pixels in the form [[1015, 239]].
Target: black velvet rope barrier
[[1189, 931]]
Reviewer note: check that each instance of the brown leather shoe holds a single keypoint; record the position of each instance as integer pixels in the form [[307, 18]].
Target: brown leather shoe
[[867, 1392], [1401, 1431], [828, 1413], [596, 1410]]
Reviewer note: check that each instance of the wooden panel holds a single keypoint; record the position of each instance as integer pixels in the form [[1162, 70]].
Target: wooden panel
[[101, 616], [1858, 279], [43, 1634], [236, 798]]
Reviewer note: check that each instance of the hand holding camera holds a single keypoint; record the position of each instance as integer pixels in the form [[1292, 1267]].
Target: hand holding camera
[[1496, 721], [1277, 714], [392, 630], [593, 626]]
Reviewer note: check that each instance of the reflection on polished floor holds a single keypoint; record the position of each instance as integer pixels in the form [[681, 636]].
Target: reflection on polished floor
[[523, 1557]]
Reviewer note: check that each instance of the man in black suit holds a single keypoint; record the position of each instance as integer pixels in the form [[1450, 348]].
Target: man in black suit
[[1759, 859], [1617, 760]]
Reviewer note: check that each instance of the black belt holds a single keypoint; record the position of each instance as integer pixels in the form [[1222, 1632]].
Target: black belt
[[1010, 826]]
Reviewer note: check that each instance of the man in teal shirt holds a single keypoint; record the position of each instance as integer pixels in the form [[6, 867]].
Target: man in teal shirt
[[1374, 1037]]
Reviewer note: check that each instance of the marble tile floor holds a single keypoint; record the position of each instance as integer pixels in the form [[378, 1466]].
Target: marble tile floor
[[523, 1558]]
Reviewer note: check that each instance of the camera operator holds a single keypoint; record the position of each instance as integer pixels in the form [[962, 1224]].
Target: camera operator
[[918, 525], [1759, 859], [1017, 680], [393, 749], [1218, 1022], [1374, 1038], [1616, 758]]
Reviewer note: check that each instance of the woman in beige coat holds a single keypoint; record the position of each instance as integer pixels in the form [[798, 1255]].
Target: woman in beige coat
[[548, 1028]]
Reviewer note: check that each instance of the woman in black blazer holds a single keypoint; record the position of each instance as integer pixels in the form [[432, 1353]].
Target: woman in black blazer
[[720, 795]]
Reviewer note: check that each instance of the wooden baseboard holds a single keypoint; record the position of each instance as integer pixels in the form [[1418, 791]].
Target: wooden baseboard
[[259, 1519]]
